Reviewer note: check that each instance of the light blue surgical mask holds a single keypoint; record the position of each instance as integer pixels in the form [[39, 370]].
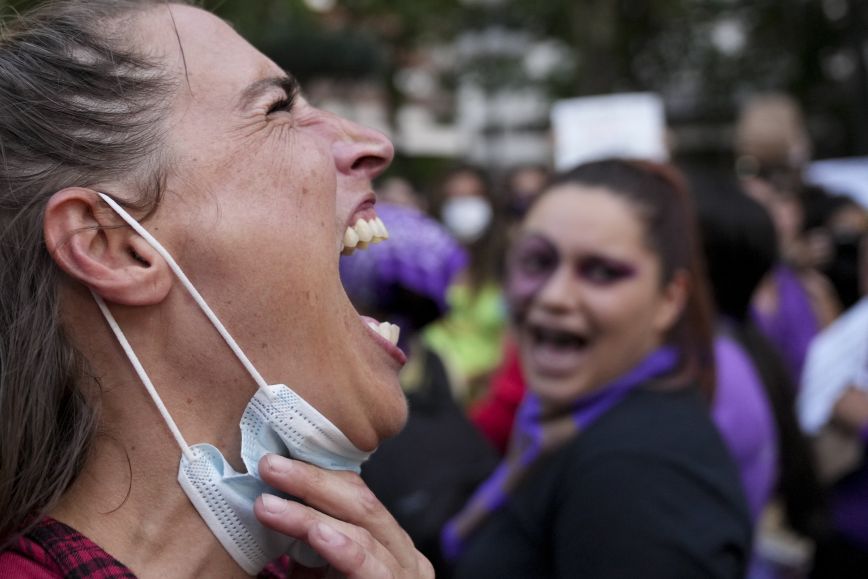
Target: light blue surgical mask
[[276, 420]]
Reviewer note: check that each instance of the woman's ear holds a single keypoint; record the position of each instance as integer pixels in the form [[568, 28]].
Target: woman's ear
[[96, 247], [672, 301]]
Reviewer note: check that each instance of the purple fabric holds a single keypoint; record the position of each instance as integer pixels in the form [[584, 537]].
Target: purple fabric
[[792, 327], [587, 409], [530, 430], [419, 255], [744, 417]]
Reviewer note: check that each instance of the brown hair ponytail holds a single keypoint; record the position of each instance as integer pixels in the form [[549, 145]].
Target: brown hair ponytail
[[77, 107]]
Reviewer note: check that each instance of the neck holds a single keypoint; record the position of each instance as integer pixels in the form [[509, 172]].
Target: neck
[[127, 499], [153, 531], [128, 502]]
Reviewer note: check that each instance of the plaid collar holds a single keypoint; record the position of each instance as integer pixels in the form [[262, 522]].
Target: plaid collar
[[59, 551], [64, 552]]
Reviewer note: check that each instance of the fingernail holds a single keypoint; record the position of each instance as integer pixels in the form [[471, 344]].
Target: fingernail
[[278, 464], [274, 505], [329, 535]]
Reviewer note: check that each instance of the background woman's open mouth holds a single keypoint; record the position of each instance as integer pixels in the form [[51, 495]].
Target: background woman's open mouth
[[556, 350]]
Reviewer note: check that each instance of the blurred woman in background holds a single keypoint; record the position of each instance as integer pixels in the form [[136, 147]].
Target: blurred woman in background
[[795, 301], [615, 468]]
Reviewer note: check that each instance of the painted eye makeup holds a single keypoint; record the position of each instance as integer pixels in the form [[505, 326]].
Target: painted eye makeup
[[534, 257], [603, 271], [532, 261]]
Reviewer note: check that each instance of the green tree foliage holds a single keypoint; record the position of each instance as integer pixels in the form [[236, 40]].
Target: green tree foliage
[[704, 56]]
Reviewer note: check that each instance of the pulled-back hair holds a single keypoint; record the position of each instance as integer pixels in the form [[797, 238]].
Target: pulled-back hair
[[738, 239], [660, 196], [79, 105]]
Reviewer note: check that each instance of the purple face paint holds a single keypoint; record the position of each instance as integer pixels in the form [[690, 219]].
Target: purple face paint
[[532, 262], [534, 259]]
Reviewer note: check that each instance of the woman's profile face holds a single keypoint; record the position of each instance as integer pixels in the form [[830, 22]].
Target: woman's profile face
[[589, 291], [262, 188]]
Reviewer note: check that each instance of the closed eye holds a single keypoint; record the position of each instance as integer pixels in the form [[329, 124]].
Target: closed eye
[[285, 103], [282, 105]]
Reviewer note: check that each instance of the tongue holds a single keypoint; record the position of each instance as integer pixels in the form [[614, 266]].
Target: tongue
[[557, 357]]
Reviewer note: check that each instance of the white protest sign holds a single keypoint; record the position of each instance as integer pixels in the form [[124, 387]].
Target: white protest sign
[[620, 125]]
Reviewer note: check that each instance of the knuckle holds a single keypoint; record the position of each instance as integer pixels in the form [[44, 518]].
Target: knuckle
[[366, 539], [369, 502], [405, 538], [358, 557], [315, 477], [300, 516], [355, 481], [426, 569], [308, 481]]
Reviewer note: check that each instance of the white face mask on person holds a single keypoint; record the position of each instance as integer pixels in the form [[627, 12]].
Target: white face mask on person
[[467, 217], [276, 420]]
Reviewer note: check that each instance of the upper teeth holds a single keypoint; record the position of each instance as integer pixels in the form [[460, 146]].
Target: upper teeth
[[363, 233], [387, 330]]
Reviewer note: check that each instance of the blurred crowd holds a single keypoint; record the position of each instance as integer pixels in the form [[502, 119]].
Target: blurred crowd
[[786, 263]]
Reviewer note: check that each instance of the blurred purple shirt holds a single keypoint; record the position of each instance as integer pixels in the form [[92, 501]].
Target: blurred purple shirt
[[792, 327], [743, 415]]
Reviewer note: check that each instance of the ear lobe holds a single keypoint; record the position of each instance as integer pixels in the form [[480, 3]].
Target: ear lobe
[[673, 301], [94, 246]]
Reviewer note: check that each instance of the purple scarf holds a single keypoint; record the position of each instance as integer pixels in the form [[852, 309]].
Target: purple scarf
[[537, 434]]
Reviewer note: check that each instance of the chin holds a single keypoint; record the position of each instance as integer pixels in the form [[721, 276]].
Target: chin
[[560, 390], [394, 413]]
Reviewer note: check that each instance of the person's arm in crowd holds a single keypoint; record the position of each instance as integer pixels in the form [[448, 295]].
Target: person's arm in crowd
[[851, 411]]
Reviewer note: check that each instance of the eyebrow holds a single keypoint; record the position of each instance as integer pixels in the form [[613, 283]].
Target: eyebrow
[[288, 83]]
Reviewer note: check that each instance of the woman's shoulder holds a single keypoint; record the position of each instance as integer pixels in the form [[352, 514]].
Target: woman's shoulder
[[659, 436], [14, 563], [654, 418], [653, 478]]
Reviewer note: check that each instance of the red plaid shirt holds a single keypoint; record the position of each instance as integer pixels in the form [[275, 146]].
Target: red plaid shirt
[[52, 550]]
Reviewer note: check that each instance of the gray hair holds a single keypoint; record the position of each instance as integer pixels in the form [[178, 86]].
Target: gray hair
[[79, 105]]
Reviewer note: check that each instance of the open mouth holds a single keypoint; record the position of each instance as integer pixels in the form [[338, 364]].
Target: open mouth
[[556, 350], [363, 232], [368, 229]]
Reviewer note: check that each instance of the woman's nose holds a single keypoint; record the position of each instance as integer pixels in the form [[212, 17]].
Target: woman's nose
[[561, 291], [361, 151]]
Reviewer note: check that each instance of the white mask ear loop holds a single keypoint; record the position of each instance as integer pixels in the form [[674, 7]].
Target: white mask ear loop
[[143, 376], [260, 382]]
